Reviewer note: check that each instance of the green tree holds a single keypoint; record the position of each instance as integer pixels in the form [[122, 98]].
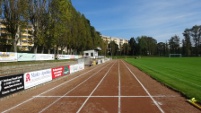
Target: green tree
[[60, 20], [161, 49], [113, 48], [133, 46], [37, 12], [186, 43], [174, 44], [125, 49], [147, 45], [195, 33]]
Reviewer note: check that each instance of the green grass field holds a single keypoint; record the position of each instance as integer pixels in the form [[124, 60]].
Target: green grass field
[[181, 74]]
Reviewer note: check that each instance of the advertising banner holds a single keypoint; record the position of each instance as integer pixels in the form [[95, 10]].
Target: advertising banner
[[44, 56], [8, 57], [80, 66], [26, 57], [72, 56], [73, 68], [11, 84], [34, 78], [76, 67], [61, 57], [60, 71], [78, 56]]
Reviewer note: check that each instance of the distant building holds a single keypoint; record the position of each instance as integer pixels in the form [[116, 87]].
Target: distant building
[[118, 41], [91, 53], [5, 38], [26, 40]]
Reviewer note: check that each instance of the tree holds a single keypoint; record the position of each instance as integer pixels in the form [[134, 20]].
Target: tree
[[161, 49], [174, 44], [133, 47], [14, 12], [152, 45], [125, 49], [195, 34], [147, 45], [60, 12], [113, 48], [167, 49], [36, 12], [56, 24], [186, 43]]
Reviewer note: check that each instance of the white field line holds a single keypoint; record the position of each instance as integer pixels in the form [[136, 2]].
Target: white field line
[[155, 102], [47, 91], [94, 89], [70, 90], [157, 96], [119, 88]]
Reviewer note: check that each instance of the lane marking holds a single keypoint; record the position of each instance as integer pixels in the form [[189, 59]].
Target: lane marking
[[155, 102], [119, 92], [71, 90], [48, 90], [159, 96], [94, 89]]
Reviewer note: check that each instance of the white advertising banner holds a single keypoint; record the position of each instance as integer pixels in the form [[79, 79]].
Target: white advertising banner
[[80, 66], [34, 78], [73, 68], [76, 67], [72, 56], [44, 56], [26, 57], [61, 57], [8, 57]]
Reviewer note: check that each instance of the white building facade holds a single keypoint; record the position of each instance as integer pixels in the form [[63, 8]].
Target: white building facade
[[118, 41]]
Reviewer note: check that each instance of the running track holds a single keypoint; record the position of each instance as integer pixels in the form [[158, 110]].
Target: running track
[[107, 88]]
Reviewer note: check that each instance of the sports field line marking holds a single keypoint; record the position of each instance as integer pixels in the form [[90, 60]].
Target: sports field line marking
[[155, 102], [71, 90], [157, 96], [94, 89], [47, 91], [119, 88]]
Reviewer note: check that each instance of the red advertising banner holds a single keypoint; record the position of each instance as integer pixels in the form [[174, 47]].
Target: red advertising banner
[[60, 71]]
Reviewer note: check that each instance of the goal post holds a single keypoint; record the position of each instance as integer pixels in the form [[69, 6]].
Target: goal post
[[175, 55]]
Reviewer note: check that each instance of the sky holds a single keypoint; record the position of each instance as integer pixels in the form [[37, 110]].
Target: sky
[[160, 19]]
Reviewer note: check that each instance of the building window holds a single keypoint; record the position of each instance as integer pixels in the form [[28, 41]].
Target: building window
[[87, 54]]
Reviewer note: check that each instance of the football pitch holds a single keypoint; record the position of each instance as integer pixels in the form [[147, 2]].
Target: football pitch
[[181, 74]]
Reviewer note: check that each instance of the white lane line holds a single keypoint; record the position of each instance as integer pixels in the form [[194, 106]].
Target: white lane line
[[47, 91], [119, 92], [70, 90], [155, 102], [157, 96], [94, 89]]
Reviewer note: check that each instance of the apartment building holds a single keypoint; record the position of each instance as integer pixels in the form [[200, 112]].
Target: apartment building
[[118, 41], [25, 42]]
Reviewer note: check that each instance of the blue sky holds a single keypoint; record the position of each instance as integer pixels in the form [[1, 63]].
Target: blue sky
[[160, 19]]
